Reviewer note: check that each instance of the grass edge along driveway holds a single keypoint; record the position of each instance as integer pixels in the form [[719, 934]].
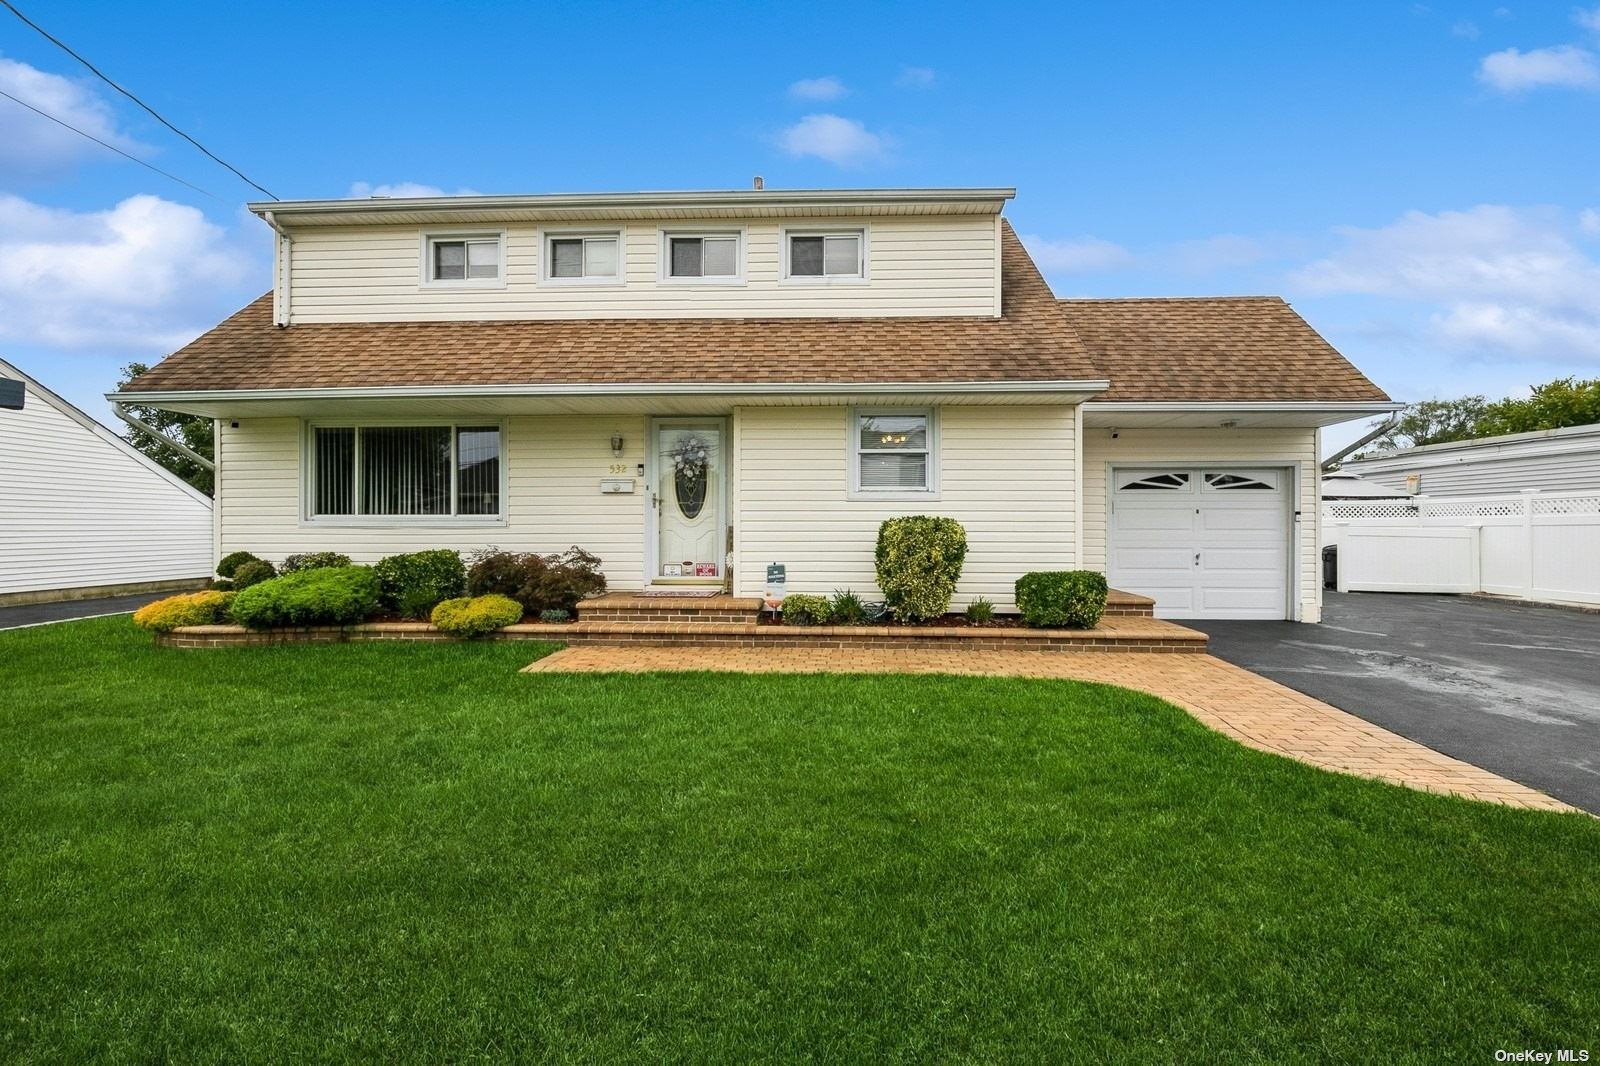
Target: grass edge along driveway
[[413, 852]]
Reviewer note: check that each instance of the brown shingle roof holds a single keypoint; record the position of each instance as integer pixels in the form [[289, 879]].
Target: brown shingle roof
[[1231, 348], [1031, 341]]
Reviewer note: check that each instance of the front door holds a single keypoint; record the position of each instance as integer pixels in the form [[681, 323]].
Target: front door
[[688, 498]]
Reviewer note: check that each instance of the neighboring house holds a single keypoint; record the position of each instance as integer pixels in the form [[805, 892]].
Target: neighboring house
[[1550, 460], [1342, 485], [83, 513], [535, 372]]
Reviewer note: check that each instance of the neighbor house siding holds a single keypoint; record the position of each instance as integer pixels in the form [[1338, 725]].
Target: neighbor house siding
[[80, 511], [917, 266], [1254, 447], [555, 465], [1005, 473]]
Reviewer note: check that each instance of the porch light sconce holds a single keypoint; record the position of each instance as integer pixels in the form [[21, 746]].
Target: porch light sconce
[[616, 446]]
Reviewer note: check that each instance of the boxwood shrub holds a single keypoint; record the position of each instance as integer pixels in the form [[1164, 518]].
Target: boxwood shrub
[[800, 609], [1074, 599], [232, 561], [326, 596], [253, 572], [412, 585], [206, 608], [919, 560], [472, 616]]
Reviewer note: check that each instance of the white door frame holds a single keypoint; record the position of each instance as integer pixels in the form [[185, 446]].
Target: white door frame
[[1292, 511], [652, 509]]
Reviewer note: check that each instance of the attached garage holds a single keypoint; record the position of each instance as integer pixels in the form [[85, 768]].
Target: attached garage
[[1204, 541]]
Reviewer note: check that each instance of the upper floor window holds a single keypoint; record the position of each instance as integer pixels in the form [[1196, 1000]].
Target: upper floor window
[[467, 260], [825, 256], [703, 256], [583, 257]]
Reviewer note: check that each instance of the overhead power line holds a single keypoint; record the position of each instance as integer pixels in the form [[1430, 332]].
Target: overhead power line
[[47, 35], [114, 148]]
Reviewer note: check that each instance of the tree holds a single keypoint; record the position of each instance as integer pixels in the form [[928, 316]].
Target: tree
[[1434, 422], [1555, 405], [192, 430]]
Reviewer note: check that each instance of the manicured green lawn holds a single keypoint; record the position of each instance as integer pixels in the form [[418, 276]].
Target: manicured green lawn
[[406, 852]]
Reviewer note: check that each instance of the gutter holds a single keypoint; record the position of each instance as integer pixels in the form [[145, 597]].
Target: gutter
[[282, 263], [144, 427], [1383, 427]]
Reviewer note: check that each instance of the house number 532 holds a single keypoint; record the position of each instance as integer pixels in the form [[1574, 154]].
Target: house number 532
[[619, 468]]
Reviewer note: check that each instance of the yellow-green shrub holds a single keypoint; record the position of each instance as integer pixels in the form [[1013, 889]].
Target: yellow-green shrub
[[471, 616], [206, 608]]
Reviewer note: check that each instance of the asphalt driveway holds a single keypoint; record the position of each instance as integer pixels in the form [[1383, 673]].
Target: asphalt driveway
[[1512, 689], [37, 614]]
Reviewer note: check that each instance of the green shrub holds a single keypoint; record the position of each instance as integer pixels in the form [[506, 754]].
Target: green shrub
[[473, 616], [847, 609], [554, 615], [232, 561], [253, 572], [980, 611], [412, 585], [538, 582], [802, 610], [1072, 598], [327, 596], [192, 609], [919, 561], [312, 560], [221, 584]]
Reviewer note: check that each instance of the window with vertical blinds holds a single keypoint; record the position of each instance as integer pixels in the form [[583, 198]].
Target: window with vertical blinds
[[406, 471]]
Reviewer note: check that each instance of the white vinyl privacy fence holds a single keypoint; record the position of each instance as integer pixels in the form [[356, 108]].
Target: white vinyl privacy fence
[[1538, 546]]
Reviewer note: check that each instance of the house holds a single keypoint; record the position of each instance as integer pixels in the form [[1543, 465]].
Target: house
[[1343, 485], [83, 513], [694, 385], [1551, 460]]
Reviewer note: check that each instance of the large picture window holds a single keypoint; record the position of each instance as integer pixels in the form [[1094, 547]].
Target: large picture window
[[418, 471], [893, 451]]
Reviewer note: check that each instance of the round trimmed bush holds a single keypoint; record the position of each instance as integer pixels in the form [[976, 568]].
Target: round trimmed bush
[[473, 616], [1074, 599], [232, 561], [800, 609], [327, 596], [206, 608], [411, 585], [253, 572], [919, 560]]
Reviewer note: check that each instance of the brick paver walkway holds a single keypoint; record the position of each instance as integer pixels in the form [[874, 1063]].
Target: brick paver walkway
[[1247, 707]]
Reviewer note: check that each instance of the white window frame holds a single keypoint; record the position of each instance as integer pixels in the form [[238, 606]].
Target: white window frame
[[308, 474], [425, 259], [788, 232], [853, 433], [664, 256], [547, 260]]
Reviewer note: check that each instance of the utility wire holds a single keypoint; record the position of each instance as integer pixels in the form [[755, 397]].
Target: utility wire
[[154, 114], [113, 147]]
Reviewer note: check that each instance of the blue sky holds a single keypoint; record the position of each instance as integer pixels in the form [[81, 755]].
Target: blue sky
[[1420, 180]]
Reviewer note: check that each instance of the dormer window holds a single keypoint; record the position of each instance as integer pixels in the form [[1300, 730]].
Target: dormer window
[[708, 257], [816, 255], [464, 260], [583, 257]]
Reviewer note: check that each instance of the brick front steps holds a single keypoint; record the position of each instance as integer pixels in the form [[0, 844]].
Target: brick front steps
[[1114, 633]]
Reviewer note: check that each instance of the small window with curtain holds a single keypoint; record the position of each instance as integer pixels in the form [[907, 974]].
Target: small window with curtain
[[578, 257], [893, 451], [702, 257], [398, 472], [835, 256], [476, 260]]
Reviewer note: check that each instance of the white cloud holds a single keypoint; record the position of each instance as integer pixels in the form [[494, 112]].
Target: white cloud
[[1079, 255], [147, 274], [403, 190], [1500, 279], [1208, 255], [824, 88], [1589, 20], [841, 141], [1589, 222], [1566, 66], [32, 146], [916, 78], [1466, 29]]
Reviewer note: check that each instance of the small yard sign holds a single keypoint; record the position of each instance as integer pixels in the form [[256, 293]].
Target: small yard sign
[[776, 578]]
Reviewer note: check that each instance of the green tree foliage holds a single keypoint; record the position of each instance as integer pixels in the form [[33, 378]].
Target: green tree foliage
[[1554, 405], [1434, 422], [192, 430]]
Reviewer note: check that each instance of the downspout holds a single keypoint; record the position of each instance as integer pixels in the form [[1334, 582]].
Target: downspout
[[144, 427], [282, 263], [1384, 427]]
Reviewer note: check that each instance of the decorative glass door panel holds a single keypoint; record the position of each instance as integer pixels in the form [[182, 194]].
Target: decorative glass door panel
[[690, 476]]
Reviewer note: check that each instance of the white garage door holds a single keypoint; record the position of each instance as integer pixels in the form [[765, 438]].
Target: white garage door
[[1205, 543]]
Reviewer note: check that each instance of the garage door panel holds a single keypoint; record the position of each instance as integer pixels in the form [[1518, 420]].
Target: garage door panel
[[1142, 517], [1241, 603], [1222, 518], [1143, 560], [1266, 563]]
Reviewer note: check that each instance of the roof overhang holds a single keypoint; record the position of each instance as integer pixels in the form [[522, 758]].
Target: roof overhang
[[580, 207], [1231, 414], [659, 399]]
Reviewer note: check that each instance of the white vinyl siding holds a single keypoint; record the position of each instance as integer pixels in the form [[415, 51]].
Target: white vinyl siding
[[917, 266], [1189, 448], [78, 510], [1006, 474], [554, 465]]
